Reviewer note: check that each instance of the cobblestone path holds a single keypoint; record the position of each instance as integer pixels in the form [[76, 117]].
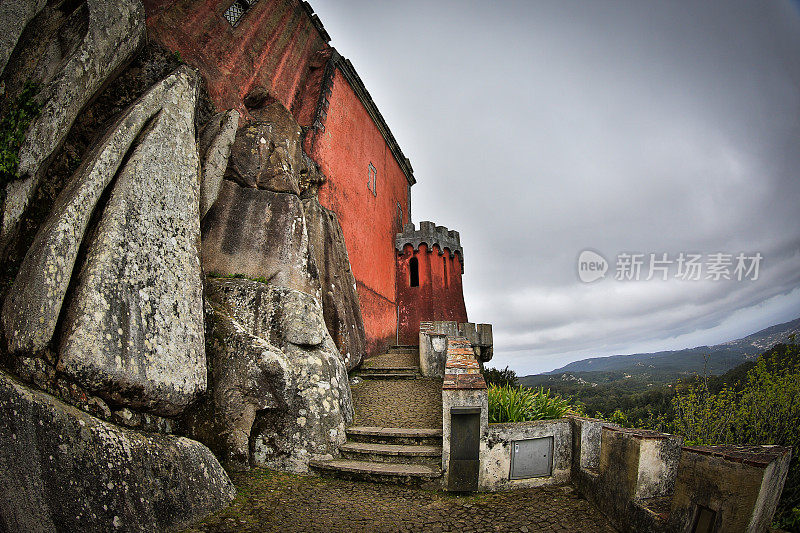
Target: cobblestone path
[[275, 501]]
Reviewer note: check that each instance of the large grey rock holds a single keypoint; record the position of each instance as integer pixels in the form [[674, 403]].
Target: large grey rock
[[14, 16], [268, 154], [115, 31], [300, 393], [214, 144], [259, 234], [339, 298], [247, 375], [64, 470], [31, 310], [133, 332]]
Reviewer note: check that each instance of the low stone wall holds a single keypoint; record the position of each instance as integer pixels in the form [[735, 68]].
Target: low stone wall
[[433, 344], [647, 481], [642, 480], [498, 448], [464, 398], [734, 488]]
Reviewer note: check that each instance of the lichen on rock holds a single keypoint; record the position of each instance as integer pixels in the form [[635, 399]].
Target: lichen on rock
[[133, 331], [279, 393], [64, 470]]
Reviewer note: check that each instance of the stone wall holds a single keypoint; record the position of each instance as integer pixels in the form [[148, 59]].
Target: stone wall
[[496, 452], [433, 344], [642, 480]]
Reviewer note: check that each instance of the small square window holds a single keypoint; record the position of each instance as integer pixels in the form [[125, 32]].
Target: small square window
[[372, 176], [237, 10]]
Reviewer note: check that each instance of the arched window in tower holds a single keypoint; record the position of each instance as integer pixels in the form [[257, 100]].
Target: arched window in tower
[[444, 266], [413, 270]]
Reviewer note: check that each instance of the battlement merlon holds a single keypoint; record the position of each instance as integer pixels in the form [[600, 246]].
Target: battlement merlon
[[430, 234]]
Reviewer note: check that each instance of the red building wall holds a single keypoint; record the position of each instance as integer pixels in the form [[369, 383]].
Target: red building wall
[[344, 148], [272, 47], [439, 295], [280, 46]]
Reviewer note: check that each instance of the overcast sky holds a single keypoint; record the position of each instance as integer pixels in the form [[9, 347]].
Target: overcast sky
[[540, 129]]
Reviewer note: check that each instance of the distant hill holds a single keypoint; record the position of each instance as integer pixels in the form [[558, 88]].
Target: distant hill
[[663, 367]]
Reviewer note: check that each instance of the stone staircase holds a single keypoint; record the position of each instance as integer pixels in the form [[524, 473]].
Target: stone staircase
[[396, 436]]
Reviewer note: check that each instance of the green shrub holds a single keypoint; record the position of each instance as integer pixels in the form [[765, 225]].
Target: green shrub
[[495, 376], [13, 127], [520, 404], [763, 409]]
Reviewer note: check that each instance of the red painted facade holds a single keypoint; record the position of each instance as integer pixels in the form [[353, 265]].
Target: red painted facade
[[273, 46], [439, 294], [346, 148], [281, 47]]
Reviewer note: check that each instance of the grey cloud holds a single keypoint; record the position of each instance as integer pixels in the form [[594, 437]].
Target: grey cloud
[[538, 129]]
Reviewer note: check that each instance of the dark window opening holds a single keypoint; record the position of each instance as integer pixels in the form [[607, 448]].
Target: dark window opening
[[413, 268], [444, 265], [704, 520], [237, 10], [372, 176]]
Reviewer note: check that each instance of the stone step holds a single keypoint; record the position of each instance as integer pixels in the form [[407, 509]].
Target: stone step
[[404, 349], [400, 474], [390, 370], [388, 373], [426, 455], [391, 360], [389, 435]]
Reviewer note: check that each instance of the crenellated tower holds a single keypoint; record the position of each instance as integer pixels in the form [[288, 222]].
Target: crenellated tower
[[430, 262]]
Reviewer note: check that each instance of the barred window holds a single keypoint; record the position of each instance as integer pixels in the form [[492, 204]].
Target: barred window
[[237, 10]]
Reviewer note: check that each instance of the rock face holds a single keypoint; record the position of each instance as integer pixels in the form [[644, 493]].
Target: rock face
[[15, 14], [64, 470], [133, 332], [339, 297], [115, 30], [260, 234], [32, 308], [268, 154], [279, 389], [216, 139]]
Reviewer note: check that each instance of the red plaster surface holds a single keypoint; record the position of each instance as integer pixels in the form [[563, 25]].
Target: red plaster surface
[[271, 47], [439, 295], [344, 150], [276, 46]]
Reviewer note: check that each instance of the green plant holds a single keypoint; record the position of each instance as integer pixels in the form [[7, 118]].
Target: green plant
[[495, 376], [12, 131], [764, 409], [520, 404]]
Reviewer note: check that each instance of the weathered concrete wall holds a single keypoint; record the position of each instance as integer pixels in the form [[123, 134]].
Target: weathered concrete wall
[[496, 453], [463, 386], [270, 49], [741, 484], [587, 433], [432, 351]]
